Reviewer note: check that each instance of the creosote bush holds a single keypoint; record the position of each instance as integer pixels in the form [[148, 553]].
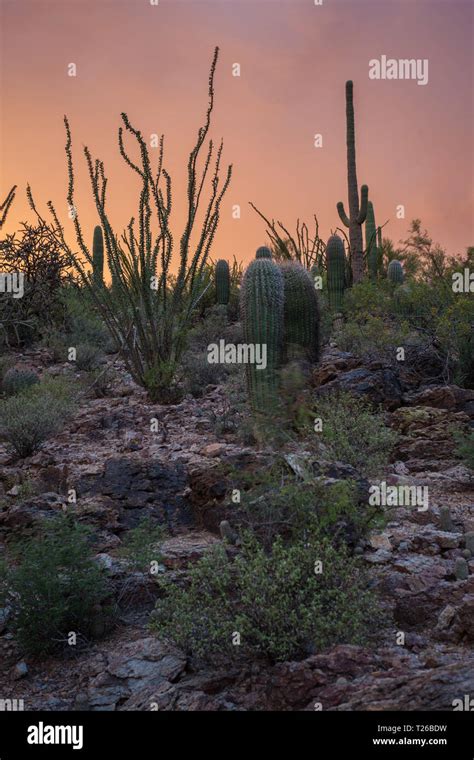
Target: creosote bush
[[354, 432], [56, 587], [39, 413], [277, 601]]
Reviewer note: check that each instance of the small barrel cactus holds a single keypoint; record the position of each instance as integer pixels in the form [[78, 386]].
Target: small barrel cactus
[[371, 242], [264, 252], [336, 268], [262, 300], [301, 312], [98, 257], [395, 272], [222, 282], [18, 380]]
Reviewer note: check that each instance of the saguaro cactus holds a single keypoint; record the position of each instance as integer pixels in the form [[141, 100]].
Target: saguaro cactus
[[222, 282], [264, 252], [395, 272], [357, 213], [98, 257], [301, 312], [371, 243], [336, 267], [262, 299]]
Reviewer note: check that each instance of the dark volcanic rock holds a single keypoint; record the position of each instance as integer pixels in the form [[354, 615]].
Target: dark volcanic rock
[[380, 385], [140, 489]]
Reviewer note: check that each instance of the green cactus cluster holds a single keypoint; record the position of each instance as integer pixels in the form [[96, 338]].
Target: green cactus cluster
[[395, 273], [280, 309], [98, 257], [301, 313], [262, 302], [336, 271], [222, 280]]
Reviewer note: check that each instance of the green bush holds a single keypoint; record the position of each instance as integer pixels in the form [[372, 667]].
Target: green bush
[[280, 505], [465, 448], [82, 324], [88, 357], [198, 373], [373, 337], [281, 607], [455, 333], [16, 381], [355, 433], [40, 412], [139, 545], [56, 587]]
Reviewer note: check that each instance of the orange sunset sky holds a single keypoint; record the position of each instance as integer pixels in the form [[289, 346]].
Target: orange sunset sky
[[414, 143]]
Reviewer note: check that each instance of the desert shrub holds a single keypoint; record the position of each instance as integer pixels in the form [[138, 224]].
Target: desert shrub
[[368, 298], [198, 373], [56, 587], [465, 447], [36, 254], [99, 381], [82, 323], [88, 357], [16, 381], [6, 363], [277, 601], [55, 341], [373, 337], [139, 545], [280, 505], [40, 412], [354, 432], [210, 329], [455, 334]]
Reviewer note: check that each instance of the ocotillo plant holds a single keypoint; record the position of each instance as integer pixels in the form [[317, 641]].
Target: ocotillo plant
[[153, 300], [262, 300], [395, 272], [98, 257], [357, 213], [301, 246], [264, 252], [301, 312], [5, 206], [371, 242], [222, 276], [336, 269]]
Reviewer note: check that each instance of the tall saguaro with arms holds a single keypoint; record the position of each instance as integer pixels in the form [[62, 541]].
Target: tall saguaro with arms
[[357, 213]]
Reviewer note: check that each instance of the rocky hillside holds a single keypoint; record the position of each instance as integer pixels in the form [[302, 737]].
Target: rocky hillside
[[124, 467]]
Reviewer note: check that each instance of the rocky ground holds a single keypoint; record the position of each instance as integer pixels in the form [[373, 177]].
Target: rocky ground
[[124, 466]]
